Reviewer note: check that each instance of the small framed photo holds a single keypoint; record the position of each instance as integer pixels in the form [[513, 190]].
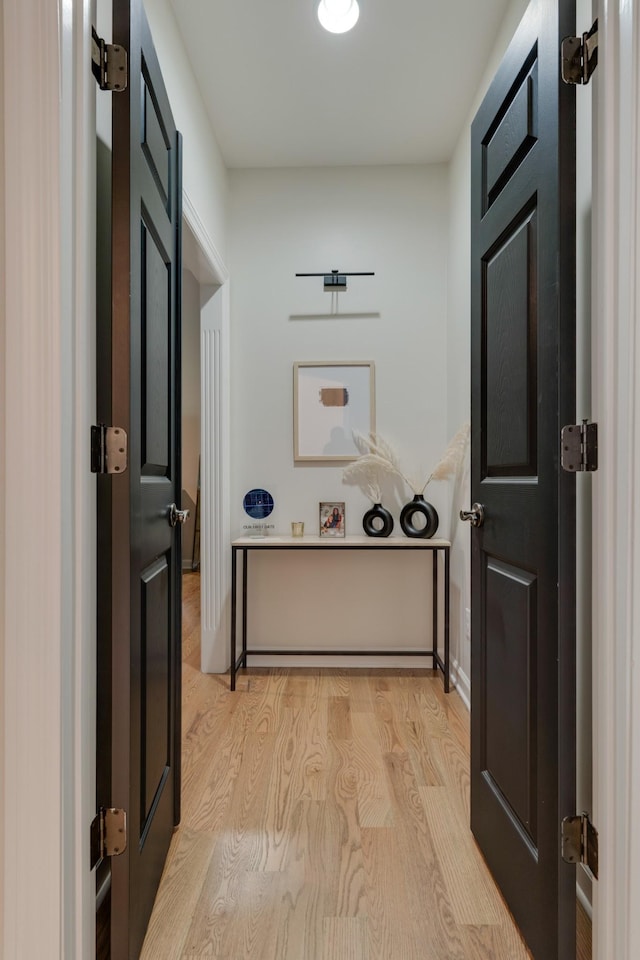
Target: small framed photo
[[332, 520]]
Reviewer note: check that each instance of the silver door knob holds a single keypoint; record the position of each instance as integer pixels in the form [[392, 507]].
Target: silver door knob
[[475, 515], [177, 516]]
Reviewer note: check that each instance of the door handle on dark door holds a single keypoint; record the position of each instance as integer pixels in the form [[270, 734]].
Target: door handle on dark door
[[475, 515], [177, 516]]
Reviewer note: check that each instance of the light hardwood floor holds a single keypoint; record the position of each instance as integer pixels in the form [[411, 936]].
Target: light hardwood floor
[[325, 818]]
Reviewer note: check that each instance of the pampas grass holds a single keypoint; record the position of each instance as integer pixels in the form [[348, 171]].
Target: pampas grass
[[378, 458], [365, 474], [452, 458]]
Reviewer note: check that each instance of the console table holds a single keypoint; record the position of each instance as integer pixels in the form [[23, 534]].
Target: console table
[[244, 546]]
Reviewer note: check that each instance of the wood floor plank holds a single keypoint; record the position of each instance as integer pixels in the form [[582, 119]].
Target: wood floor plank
[[311, 746], [374, 802], [419, 743], [451, 764], [583, 933], [252, 930], [391, 734], [344, 939], [493, 942], [179, 891], [471, 892], [337, 683], [238, 850], [387, 894], [339, 719], [266, 713], [285, 789], [346, 893], [210, 772], [360, 694], [433, 922], [302, 912]]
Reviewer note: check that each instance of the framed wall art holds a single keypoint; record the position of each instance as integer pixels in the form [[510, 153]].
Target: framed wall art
[[332, 520], [330, 401]]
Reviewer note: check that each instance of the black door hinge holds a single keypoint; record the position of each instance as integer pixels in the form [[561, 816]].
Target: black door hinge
[[580, 56], [109, 64], [108, 449], [108, 834], [580, 842], [579, 447]]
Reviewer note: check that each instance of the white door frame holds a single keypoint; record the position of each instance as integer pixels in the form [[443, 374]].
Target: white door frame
[[616, 541], [48, 692], [209, 269]]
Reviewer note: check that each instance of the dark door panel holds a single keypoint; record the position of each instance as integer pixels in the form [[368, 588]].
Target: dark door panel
[[523, 389], [139, 546]]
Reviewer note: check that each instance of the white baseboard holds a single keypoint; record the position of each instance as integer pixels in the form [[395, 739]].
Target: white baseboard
[[585, 902], [461, 682]]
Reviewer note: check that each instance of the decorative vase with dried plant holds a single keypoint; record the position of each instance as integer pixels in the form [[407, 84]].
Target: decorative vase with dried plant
[[378, 458], [377, 522]]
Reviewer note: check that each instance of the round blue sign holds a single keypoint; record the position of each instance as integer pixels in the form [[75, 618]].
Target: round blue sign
[[258, 504]]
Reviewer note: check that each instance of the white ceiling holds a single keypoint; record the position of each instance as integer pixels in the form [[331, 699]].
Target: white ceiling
[[282, 92]]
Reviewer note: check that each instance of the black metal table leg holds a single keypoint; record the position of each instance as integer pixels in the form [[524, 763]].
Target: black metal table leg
[[434, 607], [446, 619], [245, 570], [234, 587]]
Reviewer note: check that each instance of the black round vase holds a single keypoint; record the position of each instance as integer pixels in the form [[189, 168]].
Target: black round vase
[[419, 506], [371, 521]]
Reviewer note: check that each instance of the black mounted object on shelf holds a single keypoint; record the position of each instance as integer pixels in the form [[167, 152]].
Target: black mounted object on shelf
[[419, 507], [336, 282], [377, 522]]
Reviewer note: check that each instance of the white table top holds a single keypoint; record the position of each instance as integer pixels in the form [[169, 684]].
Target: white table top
[[351, 541]]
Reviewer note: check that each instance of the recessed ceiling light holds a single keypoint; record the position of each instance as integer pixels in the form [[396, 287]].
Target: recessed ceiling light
[[338, 16]]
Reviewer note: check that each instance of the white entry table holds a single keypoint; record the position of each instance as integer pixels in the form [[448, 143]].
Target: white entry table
[[244, 545]]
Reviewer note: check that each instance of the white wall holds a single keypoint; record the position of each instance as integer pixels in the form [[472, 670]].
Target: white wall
[[458, 342], [390, 220], [204, 172]]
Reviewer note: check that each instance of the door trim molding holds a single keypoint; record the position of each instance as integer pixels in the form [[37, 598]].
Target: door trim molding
[[616, 554], [48, 626], [33, 522], [213, 262], [215, 479], [205, 261]]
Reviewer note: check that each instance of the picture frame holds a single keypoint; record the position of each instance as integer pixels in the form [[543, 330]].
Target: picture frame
[[331, 400], [332, 519]]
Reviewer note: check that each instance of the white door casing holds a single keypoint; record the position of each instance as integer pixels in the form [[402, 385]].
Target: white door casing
[[49, 544], [215, 445], [616, 541]]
